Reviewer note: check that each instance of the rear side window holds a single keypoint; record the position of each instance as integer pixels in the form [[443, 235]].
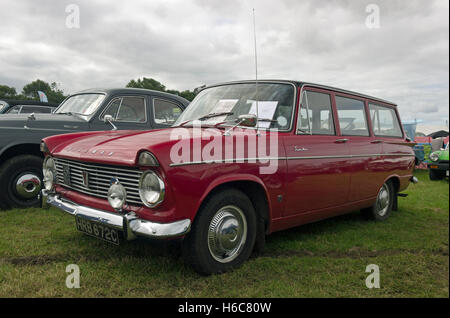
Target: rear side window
[[35, 109], [316, 115], [127, 109], [165, 112], [352, 116], [385, 121]]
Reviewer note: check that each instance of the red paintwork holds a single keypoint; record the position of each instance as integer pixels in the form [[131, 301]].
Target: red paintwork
[[312, 189]]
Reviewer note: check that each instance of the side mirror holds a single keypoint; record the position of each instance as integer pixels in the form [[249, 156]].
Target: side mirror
[[108, 119], [248, 120]]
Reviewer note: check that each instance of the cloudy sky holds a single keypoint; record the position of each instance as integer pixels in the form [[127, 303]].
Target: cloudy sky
[[186, 43]]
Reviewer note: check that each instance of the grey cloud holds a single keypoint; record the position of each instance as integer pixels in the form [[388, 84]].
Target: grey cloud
[[187, 43]]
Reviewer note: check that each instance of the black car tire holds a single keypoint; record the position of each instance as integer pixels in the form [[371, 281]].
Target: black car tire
[[374, 212], [436, 175], [199, 246], [13, 169]]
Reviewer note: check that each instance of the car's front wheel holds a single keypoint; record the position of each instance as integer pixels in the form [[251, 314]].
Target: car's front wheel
[[382, 208], [223, 234], [21, 181]]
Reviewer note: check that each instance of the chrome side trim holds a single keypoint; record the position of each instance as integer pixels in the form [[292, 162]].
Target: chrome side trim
[[244, 160], [130, 224]]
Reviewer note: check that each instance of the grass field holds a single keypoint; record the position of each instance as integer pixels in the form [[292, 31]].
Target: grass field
[[325, 259]]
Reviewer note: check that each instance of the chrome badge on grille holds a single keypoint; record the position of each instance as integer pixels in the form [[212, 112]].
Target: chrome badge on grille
[[85, 176], [66, 175]]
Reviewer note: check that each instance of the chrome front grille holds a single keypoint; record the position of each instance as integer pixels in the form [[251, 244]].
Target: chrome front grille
[[70, 175]]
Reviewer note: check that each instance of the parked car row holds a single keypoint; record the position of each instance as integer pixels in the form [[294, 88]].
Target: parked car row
[[26, 107], [91, 110], [245, 159]]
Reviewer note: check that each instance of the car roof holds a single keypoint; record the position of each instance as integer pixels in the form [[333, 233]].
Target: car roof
[[110, 91], [301, 84]]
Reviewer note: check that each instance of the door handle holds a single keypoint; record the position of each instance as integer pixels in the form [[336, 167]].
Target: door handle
[[341, 141], [376, 141]]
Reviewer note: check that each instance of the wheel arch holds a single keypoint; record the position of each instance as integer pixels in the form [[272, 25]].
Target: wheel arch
[[20, 149], [250, 186]]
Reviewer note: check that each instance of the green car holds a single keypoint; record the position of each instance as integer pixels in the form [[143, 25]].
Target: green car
[[438, 167]]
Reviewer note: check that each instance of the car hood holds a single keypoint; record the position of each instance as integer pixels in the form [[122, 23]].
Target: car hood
[[123, 147], [53, 122]]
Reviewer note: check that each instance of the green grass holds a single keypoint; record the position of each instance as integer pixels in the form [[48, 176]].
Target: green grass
[[324, 259]]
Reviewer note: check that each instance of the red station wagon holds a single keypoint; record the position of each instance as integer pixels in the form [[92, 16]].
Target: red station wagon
[[244, 160]]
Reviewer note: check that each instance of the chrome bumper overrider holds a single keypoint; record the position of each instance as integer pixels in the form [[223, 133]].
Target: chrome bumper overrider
[[130, 224]]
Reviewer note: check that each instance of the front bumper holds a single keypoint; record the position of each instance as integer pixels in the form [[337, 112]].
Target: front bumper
[[438, 166], [130, 224]]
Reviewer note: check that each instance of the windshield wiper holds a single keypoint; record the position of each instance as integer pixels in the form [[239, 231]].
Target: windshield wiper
[[206, 117], [215, 115]]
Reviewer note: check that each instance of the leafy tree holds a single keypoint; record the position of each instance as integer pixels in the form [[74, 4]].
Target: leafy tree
[[53, 92], [150, 83], [147, 83], [7, 92]]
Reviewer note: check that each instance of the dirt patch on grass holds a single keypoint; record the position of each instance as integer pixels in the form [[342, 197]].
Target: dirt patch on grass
[[354, 252]]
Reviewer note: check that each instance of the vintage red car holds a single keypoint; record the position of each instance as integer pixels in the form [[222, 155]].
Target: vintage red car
[[244, 160]]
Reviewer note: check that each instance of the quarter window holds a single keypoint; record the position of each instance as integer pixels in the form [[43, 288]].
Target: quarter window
[[165, 112], [316, 115], [127, 109], [384, 121], [352, 116]]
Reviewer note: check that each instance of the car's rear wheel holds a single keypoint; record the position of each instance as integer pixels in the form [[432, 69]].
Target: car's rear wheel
[[223, 234], [382, 208], [436, 174], [21, 181]]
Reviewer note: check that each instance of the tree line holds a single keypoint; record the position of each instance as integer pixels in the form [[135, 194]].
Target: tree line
[[56, 95]]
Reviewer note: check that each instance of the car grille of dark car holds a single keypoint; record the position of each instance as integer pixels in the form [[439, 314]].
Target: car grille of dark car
[[70, 175]]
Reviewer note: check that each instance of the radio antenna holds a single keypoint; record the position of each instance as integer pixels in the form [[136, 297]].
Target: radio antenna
[[256, 74]]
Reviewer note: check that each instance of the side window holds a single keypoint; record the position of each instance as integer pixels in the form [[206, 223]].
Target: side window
[[352, 116], [316, 115], [127, 109], [385, 121], [14, 109], [165, 112]]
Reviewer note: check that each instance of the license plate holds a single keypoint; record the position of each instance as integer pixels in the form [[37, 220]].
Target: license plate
[[97, 230], [434, 167]]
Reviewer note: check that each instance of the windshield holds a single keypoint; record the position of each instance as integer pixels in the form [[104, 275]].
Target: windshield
[[228, 102], [2, 106], [82, 104]]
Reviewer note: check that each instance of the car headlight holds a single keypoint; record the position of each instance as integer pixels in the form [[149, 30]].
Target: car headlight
[[44, 147], [434, 156], [117, 195], [147, 159], [49, 172], [151, 189]]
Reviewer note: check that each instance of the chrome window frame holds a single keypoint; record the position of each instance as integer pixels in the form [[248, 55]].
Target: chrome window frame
[[302, 91], [101, 116], [396, 116], [366, 116], [265, 82], [164, 100]]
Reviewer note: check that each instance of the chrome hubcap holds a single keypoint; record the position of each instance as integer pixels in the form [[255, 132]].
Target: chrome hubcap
[[383, 200], [28, 186], [227, 234]]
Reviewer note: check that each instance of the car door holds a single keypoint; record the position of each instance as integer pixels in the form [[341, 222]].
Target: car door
[[164, 111], [365, 150], [128, 111], [318, 174]]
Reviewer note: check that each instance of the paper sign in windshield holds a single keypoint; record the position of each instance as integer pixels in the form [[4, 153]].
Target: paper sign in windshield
[[266, 110]]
